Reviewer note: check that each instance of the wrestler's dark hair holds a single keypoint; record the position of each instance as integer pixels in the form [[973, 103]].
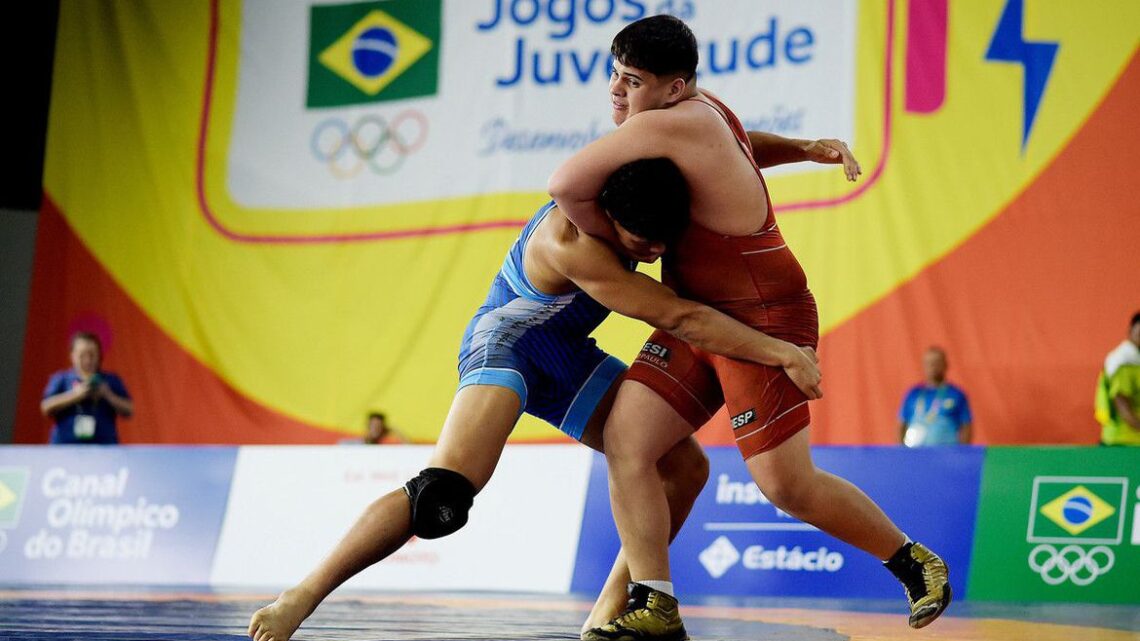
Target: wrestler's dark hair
[[662, 45], [649, 198], [1135, 320]]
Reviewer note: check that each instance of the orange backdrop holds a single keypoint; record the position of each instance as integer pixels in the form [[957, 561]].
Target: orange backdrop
[[1013, 247]]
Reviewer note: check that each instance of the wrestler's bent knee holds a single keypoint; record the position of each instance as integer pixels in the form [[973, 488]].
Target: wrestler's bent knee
[[440, 500], [789, 495], [686, 465]]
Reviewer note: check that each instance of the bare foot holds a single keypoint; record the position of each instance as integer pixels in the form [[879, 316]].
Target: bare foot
[[280, 619]]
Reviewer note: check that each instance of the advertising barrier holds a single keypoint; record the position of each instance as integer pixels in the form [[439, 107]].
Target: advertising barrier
[[290, 505], [1014, 524], [103, 515], [736, 542], [1058, 524]]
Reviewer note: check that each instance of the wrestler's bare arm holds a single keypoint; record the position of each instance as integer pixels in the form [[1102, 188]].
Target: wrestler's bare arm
[[575, 185], [594, 268], [771, 149]]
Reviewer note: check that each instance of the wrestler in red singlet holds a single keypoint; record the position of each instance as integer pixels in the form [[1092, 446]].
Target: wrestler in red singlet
[[756, 280]]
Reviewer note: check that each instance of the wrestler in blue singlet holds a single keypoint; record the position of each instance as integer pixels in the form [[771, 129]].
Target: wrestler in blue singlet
[[539, 345]]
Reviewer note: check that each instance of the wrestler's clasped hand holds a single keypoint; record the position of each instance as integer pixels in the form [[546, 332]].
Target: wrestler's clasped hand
[[803, 368]]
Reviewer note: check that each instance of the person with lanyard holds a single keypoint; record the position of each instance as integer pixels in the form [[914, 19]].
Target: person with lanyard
[[935, 412], [84, 401]]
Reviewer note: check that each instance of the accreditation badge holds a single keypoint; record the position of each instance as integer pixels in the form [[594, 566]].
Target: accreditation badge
[[915, 435], [83, 427]]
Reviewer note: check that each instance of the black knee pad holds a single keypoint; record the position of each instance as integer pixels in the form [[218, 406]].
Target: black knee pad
[[440, 502]]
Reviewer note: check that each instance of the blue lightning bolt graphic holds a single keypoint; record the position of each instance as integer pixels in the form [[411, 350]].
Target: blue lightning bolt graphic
[[1009, 45]]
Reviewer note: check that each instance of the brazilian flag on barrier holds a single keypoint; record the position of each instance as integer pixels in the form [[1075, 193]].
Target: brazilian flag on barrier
[[13, 480], [1058, 524], [1077, 510], [373, 52]]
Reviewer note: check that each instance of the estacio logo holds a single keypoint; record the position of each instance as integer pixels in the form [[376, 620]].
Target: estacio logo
[[719, 558], [373, 52], [1073, 512]]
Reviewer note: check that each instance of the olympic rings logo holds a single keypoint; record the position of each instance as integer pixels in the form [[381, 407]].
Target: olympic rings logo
[[1070, 563], [373, 142]]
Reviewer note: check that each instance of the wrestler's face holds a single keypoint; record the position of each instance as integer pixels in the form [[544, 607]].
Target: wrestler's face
[[638, 248], [634, 90]]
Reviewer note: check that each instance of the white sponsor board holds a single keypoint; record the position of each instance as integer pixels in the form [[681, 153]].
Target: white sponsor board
[[522, 84], [290, 505]]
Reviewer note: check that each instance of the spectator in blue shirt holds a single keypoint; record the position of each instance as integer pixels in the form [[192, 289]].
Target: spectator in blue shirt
[[84, 401], [935, 412]]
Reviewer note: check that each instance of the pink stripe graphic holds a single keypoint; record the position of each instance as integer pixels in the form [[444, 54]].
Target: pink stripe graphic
[[926, 56]]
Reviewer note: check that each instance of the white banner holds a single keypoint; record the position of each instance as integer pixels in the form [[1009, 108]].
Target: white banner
[[290, 505], [516, 87]]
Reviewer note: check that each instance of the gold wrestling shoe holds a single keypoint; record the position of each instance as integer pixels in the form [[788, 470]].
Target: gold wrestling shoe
[[926, 579], [651, 615]]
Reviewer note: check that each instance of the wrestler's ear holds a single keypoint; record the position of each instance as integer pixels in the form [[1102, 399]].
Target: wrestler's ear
[[676, 90]]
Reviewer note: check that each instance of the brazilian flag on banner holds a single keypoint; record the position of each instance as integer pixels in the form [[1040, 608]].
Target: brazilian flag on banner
[[373, 52], [1057, 524], [1078, 509], [12, 483]]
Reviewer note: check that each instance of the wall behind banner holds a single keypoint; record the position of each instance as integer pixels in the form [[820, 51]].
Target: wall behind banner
[[275, 231]]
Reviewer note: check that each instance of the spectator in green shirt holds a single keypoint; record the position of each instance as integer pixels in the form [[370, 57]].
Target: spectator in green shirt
[[1118, 391]]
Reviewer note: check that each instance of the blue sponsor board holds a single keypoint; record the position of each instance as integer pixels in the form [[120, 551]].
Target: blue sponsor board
[[598, 542], [737, 543], [121, 515]]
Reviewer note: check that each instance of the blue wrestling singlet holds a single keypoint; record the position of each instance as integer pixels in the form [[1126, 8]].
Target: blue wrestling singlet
[[539, 345]]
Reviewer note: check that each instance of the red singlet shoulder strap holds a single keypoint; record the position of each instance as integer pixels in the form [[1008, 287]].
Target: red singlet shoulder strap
[[733, 123]]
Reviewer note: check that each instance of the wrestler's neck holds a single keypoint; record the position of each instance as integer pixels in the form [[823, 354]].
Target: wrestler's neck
[[689, 90]]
